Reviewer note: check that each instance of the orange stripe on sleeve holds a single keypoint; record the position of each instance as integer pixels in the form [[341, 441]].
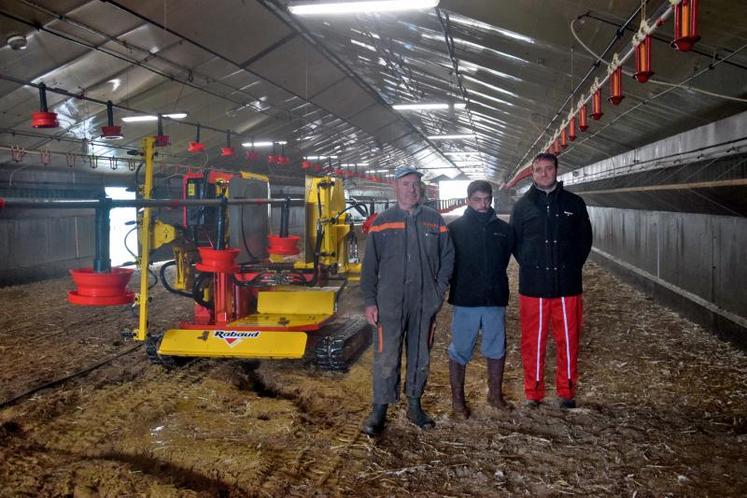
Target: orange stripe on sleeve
[[396, 225], [443, 229]]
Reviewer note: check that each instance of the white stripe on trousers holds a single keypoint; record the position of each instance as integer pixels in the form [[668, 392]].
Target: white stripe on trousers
[[567, 342], [539, 342]]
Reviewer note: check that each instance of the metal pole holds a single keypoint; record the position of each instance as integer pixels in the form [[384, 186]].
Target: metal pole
[[284, 216], [220, 237], [101, 262], [148, 151]]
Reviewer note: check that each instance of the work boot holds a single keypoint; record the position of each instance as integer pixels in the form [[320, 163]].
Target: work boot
[[374, 423], [417, 416], [567, 404], [495, 383], [459, 408]]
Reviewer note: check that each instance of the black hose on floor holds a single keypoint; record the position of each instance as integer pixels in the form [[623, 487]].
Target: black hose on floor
[[15, 399]]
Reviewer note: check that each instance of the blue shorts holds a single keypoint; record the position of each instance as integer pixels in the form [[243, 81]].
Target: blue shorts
[[467, 321]]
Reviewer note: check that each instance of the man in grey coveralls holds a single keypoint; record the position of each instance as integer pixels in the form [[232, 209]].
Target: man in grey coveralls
[[406, 270]]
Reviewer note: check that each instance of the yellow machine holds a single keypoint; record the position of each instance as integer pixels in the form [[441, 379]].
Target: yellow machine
[[267, 306]]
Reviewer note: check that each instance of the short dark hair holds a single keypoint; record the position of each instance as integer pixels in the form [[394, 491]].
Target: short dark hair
[[546, 156], [479, 186]]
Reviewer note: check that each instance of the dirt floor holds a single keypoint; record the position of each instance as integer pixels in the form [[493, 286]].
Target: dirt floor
[[662, 412]]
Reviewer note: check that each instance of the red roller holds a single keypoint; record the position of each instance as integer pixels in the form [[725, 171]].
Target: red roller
[[283, 246], [101, 289], [217, 260]]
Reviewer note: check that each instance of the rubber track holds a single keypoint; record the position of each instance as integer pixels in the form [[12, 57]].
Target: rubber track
[[341, 343]]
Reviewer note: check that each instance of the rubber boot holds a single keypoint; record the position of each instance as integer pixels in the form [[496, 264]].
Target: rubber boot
[[459, 409], [495, 383], [374, 423], [417, 416]]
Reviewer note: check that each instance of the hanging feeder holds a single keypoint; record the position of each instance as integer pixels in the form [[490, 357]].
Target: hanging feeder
[[596, 105], [616, 95], [305, 164], [583, 118], [281, 159], [44, 118], [101, 288], [110, 132], [227, 151], [272, 156], [572, 128], [563, 138], [252, 154], [685, 25], [161, 139], [196, 146], [556, 147], [643, 60]]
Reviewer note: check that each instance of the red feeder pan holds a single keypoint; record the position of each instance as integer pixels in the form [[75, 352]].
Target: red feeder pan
[[217, 260], [305, 164], [226, 151], [283, 246], [252, 155], [101, 289], [195, 147], [44, 119], [111, 132], [162, 140]]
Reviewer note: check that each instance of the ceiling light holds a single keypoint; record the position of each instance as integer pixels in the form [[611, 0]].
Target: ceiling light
[[141, 119], [265, 143], [449, 137], [317, 158], [428, 107], [354, 7]]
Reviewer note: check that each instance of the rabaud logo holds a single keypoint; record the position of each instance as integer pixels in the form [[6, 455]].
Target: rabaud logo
[[233, 337]]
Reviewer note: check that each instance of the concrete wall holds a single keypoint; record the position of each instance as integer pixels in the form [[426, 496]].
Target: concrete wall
[[692, 262]]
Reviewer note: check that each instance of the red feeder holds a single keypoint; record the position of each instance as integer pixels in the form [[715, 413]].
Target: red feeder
[[110, 132], [196, 146], [283, 246], [44, 118], [305, 164], [572, 129], [616, 87], [340, 172], [271, 159], [556, 147], [643, 60], [685, 25], [563, 138], [596, 105], [161, 139], [583, 118], [217, 260], [227, 151], [101, 289], [282, 160], [317, 167], [252, 155]]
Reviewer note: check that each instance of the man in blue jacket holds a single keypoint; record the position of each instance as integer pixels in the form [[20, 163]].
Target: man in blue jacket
[[553, 239], [479, 294], [406, 270]]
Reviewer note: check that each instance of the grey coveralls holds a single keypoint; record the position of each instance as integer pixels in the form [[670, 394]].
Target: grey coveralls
[[406, 270]]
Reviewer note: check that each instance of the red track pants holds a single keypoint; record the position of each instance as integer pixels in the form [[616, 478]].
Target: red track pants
[[566, 316]]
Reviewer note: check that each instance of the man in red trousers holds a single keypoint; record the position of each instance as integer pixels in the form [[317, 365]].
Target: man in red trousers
[[552, 241]]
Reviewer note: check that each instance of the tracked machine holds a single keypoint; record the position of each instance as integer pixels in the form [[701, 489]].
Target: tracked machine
[[257, 295]]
